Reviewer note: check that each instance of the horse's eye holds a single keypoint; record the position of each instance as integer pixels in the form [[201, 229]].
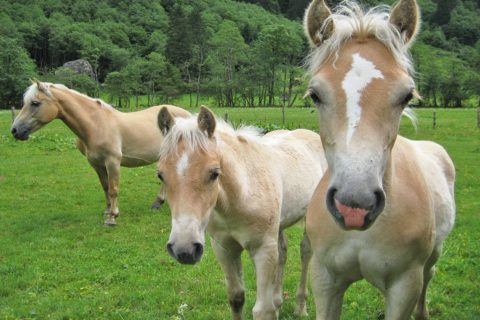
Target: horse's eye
[[214, 174], [407, 98], [35, 103], [315, 98], [160, 176]]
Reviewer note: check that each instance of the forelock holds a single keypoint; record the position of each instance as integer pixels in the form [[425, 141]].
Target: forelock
[[351, 20], [186, 130]]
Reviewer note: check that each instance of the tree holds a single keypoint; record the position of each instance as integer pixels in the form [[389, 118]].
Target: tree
[[16, 68], [117, 85], [452, 88], [278, 48], [464, 24], [155, 77], [228, 49], [179, 42], [444, 10]]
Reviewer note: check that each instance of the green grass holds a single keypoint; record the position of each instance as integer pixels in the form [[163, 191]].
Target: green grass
[[57, 260]]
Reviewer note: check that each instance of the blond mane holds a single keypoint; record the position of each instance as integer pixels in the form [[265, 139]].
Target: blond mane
[[33, 90], [351, 20], [187, 131]]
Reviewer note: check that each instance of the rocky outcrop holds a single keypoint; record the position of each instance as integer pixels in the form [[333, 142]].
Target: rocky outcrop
[[80, 66]]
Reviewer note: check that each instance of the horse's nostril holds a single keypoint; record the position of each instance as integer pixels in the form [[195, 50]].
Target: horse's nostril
[[331, 200], [197, 251], [13, 131], [170, 249], [380, 200]]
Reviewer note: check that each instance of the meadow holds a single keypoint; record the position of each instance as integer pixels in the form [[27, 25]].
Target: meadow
[[58, 261]]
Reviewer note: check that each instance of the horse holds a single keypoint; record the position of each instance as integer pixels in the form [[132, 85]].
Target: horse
[[244, 189], [107, 137], [386, 203]]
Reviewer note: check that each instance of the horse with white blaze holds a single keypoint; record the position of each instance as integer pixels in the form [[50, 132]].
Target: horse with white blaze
[[386, 203], [244, 188]]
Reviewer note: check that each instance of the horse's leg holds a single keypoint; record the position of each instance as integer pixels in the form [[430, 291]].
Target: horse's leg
[[160, 198], [113, 170], [231, 263], [306, 256], [282, 258], [103, 177], [265, 259], [328, 291], [402, 295], [421, 311]]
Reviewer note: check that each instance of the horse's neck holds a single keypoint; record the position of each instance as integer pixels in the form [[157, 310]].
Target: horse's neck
[[235, 175], [79, 113]]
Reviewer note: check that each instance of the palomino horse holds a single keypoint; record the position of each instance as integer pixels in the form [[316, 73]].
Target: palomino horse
[[244, 189], [386, 203], [107, 137]]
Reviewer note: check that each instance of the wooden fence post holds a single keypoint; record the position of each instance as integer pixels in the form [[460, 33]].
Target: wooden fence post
[[478, 117], [225, 117], [434, 119], [13, 114]]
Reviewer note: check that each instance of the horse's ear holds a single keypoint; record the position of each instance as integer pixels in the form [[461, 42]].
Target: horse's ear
[[39, 84], [206, 121], [165, 120], [313, 22], [406, 17]]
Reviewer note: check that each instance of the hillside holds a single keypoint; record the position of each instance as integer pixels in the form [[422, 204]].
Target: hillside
[[238, 53]]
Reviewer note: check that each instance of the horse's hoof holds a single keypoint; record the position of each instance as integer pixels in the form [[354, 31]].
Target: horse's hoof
[[277, 301], [300, 311], [110, 222]]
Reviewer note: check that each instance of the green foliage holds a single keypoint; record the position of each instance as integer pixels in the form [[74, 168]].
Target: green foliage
[[464, 24], [16, 68], [444, 79], [80, 82], [242, 54]]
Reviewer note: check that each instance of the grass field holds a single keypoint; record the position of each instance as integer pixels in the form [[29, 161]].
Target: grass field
[[57, 260]]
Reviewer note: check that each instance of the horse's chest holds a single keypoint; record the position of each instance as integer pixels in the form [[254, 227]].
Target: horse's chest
[[357, 259], [242, 231]]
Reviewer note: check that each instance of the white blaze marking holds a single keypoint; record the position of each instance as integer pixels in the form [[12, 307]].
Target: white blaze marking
[[357, 79], [182, 164]]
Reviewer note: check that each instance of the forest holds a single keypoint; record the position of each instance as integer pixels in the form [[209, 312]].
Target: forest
[[237, 53]]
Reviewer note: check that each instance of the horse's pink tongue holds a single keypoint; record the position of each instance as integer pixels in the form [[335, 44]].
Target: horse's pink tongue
[[353, 217]]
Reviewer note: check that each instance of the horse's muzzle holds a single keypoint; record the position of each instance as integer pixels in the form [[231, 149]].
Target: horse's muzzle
[[355, 215], [20, 133], [186, 255]]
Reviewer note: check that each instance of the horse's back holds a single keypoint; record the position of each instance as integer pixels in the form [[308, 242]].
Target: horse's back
[[152, 113], [140, 135], [301, 164], [439, 173]]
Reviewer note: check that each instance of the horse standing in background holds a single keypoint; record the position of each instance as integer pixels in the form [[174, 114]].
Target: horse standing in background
[[386, 203], [107, 137], [244, 189]]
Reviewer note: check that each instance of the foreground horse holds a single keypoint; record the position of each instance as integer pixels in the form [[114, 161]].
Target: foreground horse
[[386, 203], [245, 189], [107, 137]]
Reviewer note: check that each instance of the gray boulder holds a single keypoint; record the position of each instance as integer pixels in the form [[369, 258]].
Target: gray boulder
[[80, 66]]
